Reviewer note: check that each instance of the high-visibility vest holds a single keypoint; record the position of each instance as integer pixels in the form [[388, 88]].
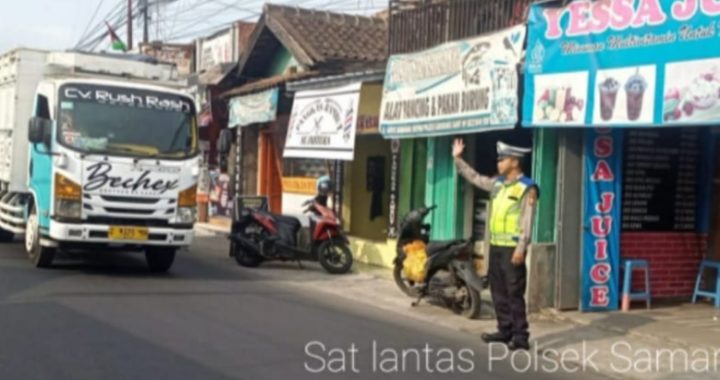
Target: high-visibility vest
[[506, 209]]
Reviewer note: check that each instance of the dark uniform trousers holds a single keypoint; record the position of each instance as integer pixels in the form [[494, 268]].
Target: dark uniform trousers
[[507, 285]]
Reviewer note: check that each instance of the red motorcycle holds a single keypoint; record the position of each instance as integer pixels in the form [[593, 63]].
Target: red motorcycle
[[258, 235]]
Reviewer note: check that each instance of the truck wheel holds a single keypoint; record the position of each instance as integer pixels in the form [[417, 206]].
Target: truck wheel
[[41, 257], [6, 236], [159, 259]]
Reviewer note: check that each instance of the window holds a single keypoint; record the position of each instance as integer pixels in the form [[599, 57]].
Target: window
[[42, 107]]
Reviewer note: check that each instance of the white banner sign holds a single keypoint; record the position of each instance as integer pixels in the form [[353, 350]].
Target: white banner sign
[[251, 109], [323, 123], [459, 87]]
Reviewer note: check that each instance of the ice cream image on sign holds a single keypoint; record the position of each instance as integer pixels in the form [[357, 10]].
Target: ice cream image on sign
[[608, 96], [699, 100], [635, 89], [559, 104]]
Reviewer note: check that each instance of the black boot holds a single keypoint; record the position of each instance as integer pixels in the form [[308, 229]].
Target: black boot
[[519, 344], [497, 337]]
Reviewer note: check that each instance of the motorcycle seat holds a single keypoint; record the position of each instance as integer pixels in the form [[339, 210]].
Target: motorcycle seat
[[437, 246], [289, 220]]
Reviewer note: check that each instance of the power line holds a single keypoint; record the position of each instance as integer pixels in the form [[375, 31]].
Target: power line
[[187, 19], [92, 18]]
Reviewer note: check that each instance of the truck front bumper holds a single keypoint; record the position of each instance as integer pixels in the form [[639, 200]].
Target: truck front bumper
[[97, 233]]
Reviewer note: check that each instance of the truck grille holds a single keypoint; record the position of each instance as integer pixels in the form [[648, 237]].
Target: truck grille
[[125, 207], [127, 221], [111, 198]]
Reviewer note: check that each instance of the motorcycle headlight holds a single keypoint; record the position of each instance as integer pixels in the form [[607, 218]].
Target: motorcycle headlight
[[186, 215], [66, 208]]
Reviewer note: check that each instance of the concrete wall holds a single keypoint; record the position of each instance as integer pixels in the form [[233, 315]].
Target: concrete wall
[[380, 253], [541, 276]]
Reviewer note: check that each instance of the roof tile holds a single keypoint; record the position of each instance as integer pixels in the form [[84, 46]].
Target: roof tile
[[328, 36]]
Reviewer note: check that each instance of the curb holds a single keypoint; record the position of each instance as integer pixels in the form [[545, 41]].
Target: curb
[[211, 228]]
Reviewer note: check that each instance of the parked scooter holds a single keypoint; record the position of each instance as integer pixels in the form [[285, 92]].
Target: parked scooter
[[258, 235], [461, 290]]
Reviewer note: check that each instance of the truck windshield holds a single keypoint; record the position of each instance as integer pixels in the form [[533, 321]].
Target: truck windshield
[[124, 121]]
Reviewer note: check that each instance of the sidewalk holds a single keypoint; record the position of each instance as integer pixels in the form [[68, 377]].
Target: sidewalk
[[208, 229]]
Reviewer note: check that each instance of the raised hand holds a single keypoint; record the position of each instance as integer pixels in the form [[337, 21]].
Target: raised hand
[[458, 148]]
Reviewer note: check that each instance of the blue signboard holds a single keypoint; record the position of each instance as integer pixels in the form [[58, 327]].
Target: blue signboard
[[601, 239], [623, 63]]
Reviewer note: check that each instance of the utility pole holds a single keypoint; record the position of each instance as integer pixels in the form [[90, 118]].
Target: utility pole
[[129, 26], [146, 22]]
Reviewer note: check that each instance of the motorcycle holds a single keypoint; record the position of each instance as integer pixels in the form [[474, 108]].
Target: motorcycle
[[461, 288], [258, 235]]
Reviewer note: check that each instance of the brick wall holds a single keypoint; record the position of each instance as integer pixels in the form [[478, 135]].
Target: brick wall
[[674, 259]]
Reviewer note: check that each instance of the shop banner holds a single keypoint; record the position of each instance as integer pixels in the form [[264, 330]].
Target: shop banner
[[458, 87], [601, 237], [623, 63], [323, 123], [256, 108]]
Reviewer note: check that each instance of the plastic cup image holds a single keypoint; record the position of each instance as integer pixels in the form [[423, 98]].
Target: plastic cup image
[[635, 89], [608, 96]]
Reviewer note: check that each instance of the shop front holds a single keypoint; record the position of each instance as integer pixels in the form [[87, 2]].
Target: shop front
[[334, 131], [642, 88], [248, 115], [466, 89]]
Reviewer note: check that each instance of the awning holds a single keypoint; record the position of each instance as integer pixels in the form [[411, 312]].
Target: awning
[[260, 107], [323, 123], [459, 87], [627, 66]]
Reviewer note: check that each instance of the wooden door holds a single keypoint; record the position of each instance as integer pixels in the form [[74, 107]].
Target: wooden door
[[270, 184]]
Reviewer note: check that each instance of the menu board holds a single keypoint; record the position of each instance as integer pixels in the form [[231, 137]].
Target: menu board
[[660, 179]]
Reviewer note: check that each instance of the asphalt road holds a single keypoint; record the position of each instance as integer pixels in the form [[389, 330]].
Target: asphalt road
[[100, 315]]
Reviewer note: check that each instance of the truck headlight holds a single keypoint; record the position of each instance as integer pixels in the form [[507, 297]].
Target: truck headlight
[[68, 197], [186, 215], [68, 209]]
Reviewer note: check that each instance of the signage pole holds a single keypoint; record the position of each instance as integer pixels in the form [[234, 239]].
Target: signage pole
[[129, 25], [394, 188]]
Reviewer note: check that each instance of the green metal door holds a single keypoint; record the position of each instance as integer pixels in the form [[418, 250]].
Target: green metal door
[[442, 189]]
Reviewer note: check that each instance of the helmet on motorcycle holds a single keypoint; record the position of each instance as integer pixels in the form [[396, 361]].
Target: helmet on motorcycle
[[324, 185]]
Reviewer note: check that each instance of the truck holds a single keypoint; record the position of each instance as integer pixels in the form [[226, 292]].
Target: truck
[[97, 152]]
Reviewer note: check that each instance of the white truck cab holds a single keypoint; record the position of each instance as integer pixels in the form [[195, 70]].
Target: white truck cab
[[103, 157]]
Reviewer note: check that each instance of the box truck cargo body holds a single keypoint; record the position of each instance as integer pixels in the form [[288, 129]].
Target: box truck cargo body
[[95, 151]]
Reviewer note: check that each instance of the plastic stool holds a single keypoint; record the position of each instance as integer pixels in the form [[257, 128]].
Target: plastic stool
[[627, 295], [715, 294]]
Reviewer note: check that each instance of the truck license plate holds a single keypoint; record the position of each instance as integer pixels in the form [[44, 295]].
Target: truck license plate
[[128, 233]]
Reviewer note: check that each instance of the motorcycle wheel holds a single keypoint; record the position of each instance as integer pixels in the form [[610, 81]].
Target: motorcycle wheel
[[467, 302], [245, 258], [406, 286], [335, 257]]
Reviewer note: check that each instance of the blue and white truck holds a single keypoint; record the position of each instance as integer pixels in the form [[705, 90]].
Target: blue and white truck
[[96, 152]]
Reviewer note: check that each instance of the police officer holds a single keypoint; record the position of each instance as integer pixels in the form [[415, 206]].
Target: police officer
[[513, 197]]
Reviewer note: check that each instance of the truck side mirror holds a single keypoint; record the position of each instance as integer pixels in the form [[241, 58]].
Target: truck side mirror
[[40, 131], [225, 141]]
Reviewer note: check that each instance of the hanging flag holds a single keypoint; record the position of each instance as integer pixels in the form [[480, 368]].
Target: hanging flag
[[117, 43]]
